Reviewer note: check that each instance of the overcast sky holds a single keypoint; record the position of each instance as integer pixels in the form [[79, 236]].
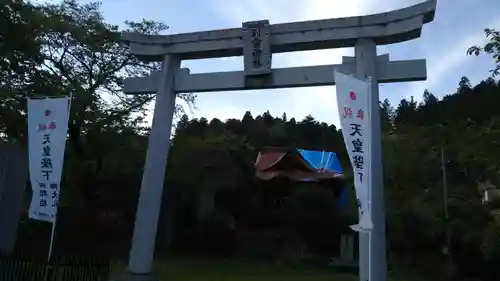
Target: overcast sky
[[458, 24]]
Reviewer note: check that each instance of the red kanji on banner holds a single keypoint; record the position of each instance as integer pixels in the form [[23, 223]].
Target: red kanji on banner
[[347, 112], [360, 114], [52, 125], [352, 95]]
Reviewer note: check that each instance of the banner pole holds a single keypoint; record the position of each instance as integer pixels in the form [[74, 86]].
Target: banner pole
[[53, 231], [52, 234], [370, 181], [51, 245]]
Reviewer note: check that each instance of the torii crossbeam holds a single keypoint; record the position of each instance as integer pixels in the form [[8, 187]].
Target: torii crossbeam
[[257, 41]]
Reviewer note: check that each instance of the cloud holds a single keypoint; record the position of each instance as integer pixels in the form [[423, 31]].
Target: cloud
[[441, 63], [222, 112]]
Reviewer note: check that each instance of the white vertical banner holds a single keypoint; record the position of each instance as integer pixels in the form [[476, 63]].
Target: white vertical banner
[[354, 109], [47, 129]]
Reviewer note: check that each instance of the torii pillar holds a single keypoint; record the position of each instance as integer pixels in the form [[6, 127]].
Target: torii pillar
[[257, 41]]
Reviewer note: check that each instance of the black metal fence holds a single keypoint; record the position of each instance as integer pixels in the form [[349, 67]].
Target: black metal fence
[[29, 268]]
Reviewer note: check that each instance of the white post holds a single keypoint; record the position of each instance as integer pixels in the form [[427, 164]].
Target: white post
[[148, 209], [51, 245], [372, 250]]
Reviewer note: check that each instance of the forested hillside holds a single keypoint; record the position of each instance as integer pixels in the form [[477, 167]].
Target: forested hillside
[[213, 205]]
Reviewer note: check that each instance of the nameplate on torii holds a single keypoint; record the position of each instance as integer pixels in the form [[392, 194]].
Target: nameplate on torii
[[257, 55]]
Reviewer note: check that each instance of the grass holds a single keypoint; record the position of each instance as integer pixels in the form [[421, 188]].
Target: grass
[[189, 269], [227, 270]]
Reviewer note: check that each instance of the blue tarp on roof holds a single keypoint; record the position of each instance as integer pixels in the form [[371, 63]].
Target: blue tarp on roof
[[322, 160], [327, 161]]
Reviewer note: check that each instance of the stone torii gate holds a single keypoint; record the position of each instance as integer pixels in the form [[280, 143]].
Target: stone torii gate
[[257, 41]]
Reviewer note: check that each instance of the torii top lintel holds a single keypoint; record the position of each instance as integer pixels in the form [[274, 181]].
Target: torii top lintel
[[385, 28]]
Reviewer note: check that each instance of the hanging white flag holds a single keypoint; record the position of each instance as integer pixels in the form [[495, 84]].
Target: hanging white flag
[[47, 129], [353, 106]]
